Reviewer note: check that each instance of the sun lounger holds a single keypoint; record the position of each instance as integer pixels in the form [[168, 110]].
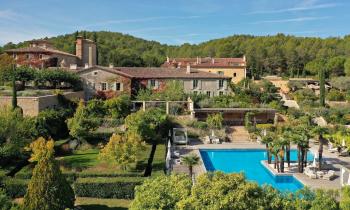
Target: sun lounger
[[216, 141], [344, 152], [207, 140], [310, 173], [329, 175], [332, 149]]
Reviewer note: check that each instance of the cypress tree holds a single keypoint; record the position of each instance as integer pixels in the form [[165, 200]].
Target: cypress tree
[[95, 40], [322, 87], [48, 188]]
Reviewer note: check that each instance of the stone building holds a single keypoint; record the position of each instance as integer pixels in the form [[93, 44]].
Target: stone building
[[230, 67], [129, 80], [41, 54]]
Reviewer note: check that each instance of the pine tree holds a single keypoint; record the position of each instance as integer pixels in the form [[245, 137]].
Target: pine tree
[[322, 87], [47, 189]]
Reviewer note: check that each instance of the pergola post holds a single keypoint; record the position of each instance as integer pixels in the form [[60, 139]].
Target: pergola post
[[144, 106], [167, 107]]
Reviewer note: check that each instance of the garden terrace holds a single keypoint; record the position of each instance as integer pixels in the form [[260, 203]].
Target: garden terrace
[[236, 116]]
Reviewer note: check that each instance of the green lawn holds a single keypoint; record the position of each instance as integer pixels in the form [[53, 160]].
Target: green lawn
[[87, 161], [102, 204]]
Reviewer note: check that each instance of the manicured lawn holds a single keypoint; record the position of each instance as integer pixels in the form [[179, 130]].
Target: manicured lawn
[[87, 161], [102, 204]]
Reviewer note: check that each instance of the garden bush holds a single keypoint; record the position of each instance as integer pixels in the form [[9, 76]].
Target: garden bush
[[15, 188], [118, 187], [335, 95]]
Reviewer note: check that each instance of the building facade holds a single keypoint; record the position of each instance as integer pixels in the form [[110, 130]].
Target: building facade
[[129, 80], [41, 54], [230, 67]]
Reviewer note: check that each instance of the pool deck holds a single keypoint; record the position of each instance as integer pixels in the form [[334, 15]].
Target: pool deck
[[333, 159]]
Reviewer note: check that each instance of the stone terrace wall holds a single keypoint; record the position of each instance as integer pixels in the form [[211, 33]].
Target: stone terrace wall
[[31, 106]]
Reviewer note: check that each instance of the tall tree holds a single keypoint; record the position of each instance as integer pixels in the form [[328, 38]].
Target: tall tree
[[47, 189], [95, 40], [7, 64], [322, 78]]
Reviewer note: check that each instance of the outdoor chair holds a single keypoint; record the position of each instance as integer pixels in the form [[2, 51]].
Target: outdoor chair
[[344, 152], [310, 173], [329, 175]]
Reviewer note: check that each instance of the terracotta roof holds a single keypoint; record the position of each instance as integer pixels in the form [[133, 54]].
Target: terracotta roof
[[205, 62], [166, 73], [157, 73], [38, 50]]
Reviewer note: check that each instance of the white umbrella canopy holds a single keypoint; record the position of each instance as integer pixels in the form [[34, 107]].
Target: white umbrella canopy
[[168, 156], [343, 144], [212, 133]]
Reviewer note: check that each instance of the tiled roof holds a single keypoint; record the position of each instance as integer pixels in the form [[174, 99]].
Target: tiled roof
[[38, 50], [157, 73], [166, 73], [205, 62]]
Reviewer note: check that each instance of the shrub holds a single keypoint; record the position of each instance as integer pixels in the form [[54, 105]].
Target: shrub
[[163, 192], [15, 188], [215, 121], [335, 95], [118, 187]]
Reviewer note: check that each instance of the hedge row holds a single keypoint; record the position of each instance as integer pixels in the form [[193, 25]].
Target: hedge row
[[15, 188], [118, 187], [73, 175]]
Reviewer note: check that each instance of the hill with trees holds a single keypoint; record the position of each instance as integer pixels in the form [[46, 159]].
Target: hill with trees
[[279, 54]]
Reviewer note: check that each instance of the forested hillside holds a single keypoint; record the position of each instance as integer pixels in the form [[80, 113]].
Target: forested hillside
[[280, 54]]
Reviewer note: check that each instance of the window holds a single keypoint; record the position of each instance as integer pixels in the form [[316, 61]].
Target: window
[[234, 74], [221, 93], [117, 86], [195, 84], [153, 83], [220, 72], [104, 86], [221, 83], [15, 56], [27, 56], [40, 56], [208, 93], [94, 73]]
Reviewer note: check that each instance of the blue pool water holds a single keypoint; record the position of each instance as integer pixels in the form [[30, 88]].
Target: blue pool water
[[249, 162]]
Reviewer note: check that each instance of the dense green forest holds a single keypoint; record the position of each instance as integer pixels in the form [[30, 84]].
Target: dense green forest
[[280, 54]]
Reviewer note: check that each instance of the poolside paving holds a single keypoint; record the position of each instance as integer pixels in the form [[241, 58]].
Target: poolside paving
[[333, 159]]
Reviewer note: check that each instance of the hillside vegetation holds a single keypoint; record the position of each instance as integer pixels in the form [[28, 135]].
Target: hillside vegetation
[[281, 54]]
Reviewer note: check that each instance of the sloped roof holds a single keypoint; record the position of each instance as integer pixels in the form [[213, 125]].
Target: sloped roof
[[205, 62], [38, 50], [157, 73]]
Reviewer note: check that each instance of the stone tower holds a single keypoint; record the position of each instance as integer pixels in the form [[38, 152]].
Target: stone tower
[[86, 51]]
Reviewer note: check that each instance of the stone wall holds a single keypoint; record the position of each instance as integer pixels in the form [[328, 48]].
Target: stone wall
[[31, 106]]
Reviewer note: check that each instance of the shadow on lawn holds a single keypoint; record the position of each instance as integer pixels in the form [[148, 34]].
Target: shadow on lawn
[[101, 207]]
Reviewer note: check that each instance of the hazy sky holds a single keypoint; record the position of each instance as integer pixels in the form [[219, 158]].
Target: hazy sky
[[173, 21]]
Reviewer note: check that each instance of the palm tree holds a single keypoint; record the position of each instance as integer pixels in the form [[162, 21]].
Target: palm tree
[[320, 132], [300, 137], [190, 161], [267, 140]]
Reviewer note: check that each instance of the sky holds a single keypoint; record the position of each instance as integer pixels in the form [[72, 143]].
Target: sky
[[173, 21]]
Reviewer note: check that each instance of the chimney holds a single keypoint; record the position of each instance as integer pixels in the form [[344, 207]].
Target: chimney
[[79, 47], [90, 56], [188, 69], [167, 59], [213, 61], [197, 60], [111, 65], [86, 65], [244, 58]]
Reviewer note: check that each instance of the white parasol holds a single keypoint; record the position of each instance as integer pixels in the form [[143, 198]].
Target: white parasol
[[343, 143]]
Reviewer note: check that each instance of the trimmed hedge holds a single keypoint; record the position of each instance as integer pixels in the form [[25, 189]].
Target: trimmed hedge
[[71, 176], [15, 188], [118, 187]]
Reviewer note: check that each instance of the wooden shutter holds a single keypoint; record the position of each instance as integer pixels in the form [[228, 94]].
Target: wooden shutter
[[121, 86]]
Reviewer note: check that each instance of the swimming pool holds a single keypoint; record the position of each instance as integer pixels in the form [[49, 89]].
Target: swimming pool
[[249, 162]]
